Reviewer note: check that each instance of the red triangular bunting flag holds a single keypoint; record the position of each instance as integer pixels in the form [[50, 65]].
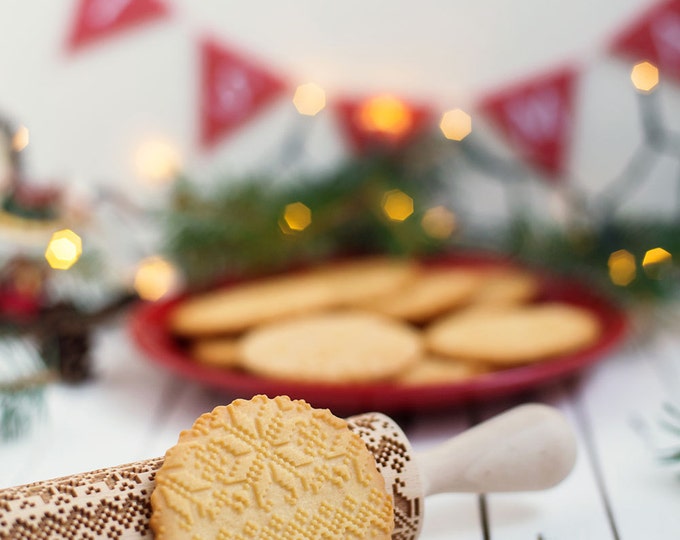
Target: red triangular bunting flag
[[655, 37], [536, 117], [233, 90], [96, 19], [382, 122]]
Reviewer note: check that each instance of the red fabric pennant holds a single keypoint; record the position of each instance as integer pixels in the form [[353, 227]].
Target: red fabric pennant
[[655, 37], [233, 90], [97, 19], [382, 122], [536, 117]]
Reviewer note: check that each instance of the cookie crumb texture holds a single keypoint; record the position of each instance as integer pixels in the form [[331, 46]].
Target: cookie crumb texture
[[270, 469]]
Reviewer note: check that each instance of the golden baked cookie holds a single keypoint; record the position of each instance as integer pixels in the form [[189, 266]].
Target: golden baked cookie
[[234, 309], [270, 469], [217, 352], [502, 286], [433, 292], [356, 280], [513, 334], [438, 370], [333, 347]]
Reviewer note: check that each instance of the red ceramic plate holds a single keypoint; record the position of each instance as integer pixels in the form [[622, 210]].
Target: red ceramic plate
[[150, 332]]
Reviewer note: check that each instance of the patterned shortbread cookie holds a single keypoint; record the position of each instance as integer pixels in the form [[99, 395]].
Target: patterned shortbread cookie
[[218, 352], [270, 469], [333, 347], [515, 334], [432, 293], [234, 309], [440, 370]]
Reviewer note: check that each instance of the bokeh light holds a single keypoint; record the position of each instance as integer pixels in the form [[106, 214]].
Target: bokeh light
[[296, 217], [157, 161], [20, 139], [386, 114], [622, 268], [655, 261], [397, 205], [439, 222], [309, 99], [456, 124], [645, 76], [155, 278], [63, 249]]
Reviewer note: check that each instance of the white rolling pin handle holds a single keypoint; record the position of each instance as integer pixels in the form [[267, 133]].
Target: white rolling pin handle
[[530, 447]]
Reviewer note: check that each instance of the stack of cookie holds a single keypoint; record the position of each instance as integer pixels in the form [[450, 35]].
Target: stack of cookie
[[381, 319]]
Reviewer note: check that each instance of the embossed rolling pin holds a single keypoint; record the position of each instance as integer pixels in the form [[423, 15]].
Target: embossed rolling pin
[[275, 468]]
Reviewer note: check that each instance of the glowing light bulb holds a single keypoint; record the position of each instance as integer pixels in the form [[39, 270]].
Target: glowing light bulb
[[385, 114], [20, 139], [456, 124], [397, 205], [155, 277], [645, 76], [622, 268], [64, 249], [439, 222], [309, 99], [157, 161], [296, 217]]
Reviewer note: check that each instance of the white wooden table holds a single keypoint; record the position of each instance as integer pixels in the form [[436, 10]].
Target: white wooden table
[[619, 488]]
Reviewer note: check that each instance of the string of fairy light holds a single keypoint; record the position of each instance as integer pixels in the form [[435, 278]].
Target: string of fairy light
[[158, 161]]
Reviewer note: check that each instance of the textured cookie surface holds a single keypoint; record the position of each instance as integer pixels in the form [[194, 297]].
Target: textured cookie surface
[[270, 469], [513, 335], [438, 370], [351, 346]]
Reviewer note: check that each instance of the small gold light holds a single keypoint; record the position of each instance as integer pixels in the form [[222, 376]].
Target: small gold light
[[456, 124], [397, 205], [439, 222], [645, 76], [655, 261], [20, 139], [622, 269], [385, 114], [309, 99], [297, 217], [155, 277], [63, 249], [157, 161]]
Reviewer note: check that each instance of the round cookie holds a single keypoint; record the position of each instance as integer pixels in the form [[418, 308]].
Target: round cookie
[[513, 335], [234, 309], [432, 293], [506, 287], [333, 347], [435, 370], [354, 281], [217, 352], [270, 468]]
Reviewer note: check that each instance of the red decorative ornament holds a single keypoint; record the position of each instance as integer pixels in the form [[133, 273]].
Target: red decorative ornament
[[96, 19], [233, 90], [382, 122], [537, 117], [654, 37]]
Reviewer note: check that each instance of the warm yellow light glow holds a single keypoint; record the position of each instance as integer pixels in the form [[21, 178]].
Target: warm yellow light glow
[[645, 76], [157, 161], [655, 261], [297, 217], [385, 114], [309, 99], [63, 249], [397, 205], [456, 124], [622, 270], [20, 139], [155, 277], [439, 222]]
